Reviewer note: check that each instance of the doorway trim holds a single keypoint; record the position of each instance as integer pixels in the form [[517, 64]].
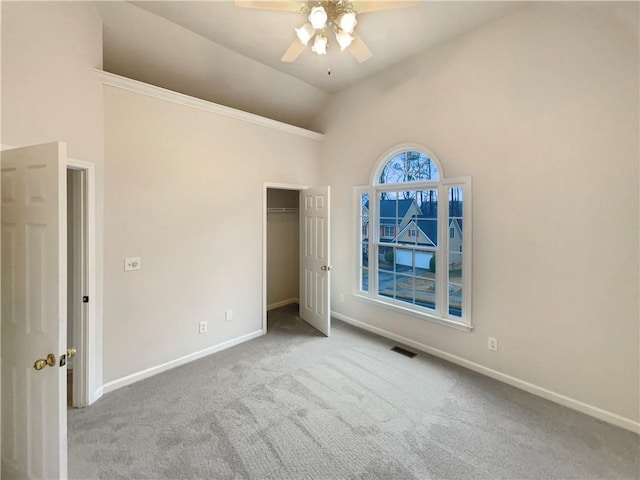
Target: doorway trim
[[85, 334], [265, 187]]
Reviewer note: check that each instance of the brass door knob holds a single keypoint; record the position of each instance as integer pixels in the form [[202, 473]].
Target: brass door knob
[[44, 362]]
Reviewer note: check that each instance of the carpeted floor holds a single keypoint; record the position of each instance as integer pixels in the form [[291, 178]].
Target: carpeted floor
[[296, 405]]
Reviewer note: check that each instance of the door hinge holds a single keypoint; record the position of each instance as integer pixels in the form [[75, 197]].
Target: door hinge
[[85, 299]]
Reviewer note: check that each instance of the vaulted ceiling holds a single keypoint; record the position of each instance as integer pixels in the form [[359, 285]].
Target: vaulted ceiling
[[230, 55]]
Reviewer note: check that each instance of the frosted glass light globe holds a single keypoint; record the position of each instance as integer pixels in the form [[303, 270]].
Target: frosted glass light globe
[[318, 18], [320, 45]]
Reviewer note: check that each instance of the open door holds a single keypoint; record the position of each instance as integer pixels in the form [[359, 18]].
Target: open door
[[314, 258], [34, 302]]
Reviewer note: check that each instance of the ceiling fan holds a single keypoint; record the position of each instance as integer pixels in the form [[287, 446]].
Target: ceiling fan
[[324, 16]]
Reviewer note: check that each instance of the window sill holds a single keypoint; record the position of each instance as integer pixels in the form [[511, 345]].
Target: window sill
[[423, 316]]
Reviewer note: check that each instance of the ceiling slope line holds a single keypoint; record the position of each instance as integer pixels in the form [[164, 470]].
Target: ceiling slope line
[[125, 83]]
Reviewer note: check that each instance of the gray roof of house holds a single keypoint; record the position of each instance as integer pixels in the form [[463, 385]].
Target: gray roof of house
[[429, 228], [388, 210]]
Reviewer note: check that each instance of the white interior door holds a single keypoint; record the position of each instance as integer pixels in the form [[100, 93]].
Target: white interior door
[[34, 237], [314, 258]]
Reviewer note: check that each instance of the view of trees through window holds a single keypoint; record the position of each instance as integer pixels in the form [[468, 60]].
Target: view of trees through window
[[405, 236], [409, 167]]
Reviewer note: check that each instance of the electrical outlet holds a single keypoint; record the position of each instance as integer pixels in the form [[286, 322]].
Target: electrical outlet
[[202, 327], [131, 264], [228, 315], [341, 297], [492, 344]]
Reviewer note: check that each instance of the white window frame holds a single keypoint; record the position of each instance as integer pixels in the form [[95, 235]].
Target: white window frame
[[440, 314]]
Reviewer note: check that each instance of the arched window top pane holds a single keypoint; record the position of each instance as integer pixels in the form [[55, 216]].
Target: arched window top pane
[[409, 166]]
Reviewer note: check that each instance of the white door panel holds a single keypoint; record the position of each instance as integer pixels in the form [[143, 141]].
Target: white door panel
[[34, 416], [314, 262]]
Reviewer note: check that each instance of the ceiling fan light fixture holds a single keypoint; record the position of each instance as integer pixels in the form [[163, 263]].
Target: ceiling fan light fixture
[[320, 45], [305, 33], [347, 21], [318, 17], [344, 39]]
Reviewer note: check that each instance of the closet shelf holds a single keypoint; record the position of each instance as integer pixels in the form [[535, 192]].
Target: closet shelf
[[282, 210]]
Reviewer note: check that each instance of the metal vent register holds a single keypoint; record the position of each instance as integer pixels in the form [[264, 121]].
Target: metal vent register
[[404, 352]]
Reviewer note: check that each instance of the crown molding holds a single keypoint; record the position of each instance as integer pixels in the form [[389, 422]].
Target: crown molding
[[118, 81]]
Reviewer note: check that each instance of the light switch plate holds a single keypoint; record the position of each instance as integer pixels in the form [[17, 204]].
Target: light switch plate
[[131, 264]]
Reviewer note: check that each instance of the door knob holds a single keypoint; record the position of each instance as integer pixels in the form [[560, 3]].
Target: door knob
[[325, 268], [43, 362], [71, 352]]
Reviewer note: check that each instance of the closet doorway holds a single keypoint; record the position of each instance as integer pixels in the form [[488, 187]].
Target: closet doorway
[[282, 247], [296, 252]]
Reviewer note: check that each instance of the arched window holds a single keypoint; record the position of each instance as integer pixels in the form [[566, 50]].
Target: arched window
[[414, 237], [409, 166]]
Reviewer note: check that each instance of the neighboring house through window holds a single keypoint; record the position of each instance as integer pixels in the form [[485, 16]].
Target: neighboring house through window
[[414, 258]]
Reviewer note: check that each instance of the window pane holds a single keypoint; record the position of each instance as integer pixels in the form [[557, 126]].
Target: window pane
[[425, 291], [388, 208], [364, 267], [386, 259], [455, 202], [364, 280], [386, 272], [455, 289], [364, 262], [455, 252], [428, 232], [425, 264], [364, 241], [404, 288], [404, 261], [428, 203], [364, 205], [427, 220], [405, 274], [409, 167]]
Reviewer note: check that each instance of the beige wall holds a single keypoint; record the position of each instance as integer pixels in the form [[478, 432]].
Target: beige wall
[[190, 64], [282, 247], [49, 90], [51, 93], [185, 193], [541, 110]]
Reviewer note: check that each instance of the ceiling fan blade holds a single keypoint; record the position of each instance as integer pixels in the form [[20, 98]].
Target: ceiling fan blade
[[359, 49], [294, 50], [364, 7], [282, 5]]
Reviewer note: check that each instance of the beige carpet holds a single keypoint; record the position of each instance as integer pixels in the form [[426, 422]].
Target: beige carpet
[[296, 405]]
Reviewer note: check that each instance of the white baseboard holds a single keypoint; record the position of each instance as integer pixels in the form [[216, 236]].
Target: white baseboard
[[96, 395], [569, 402], [136, 377], [282, 303]]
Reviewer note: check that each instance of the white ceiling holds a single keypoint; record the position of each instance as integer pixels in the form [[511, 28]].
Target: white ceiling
[[393, 35]]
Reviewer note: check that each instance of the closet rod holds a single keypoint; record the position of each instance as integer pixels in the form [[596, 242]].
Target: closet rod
[[281, 210]]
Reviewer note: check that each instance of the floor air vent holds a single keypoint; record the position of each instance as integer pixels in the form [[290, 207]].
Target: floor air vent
[[404, 352]]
